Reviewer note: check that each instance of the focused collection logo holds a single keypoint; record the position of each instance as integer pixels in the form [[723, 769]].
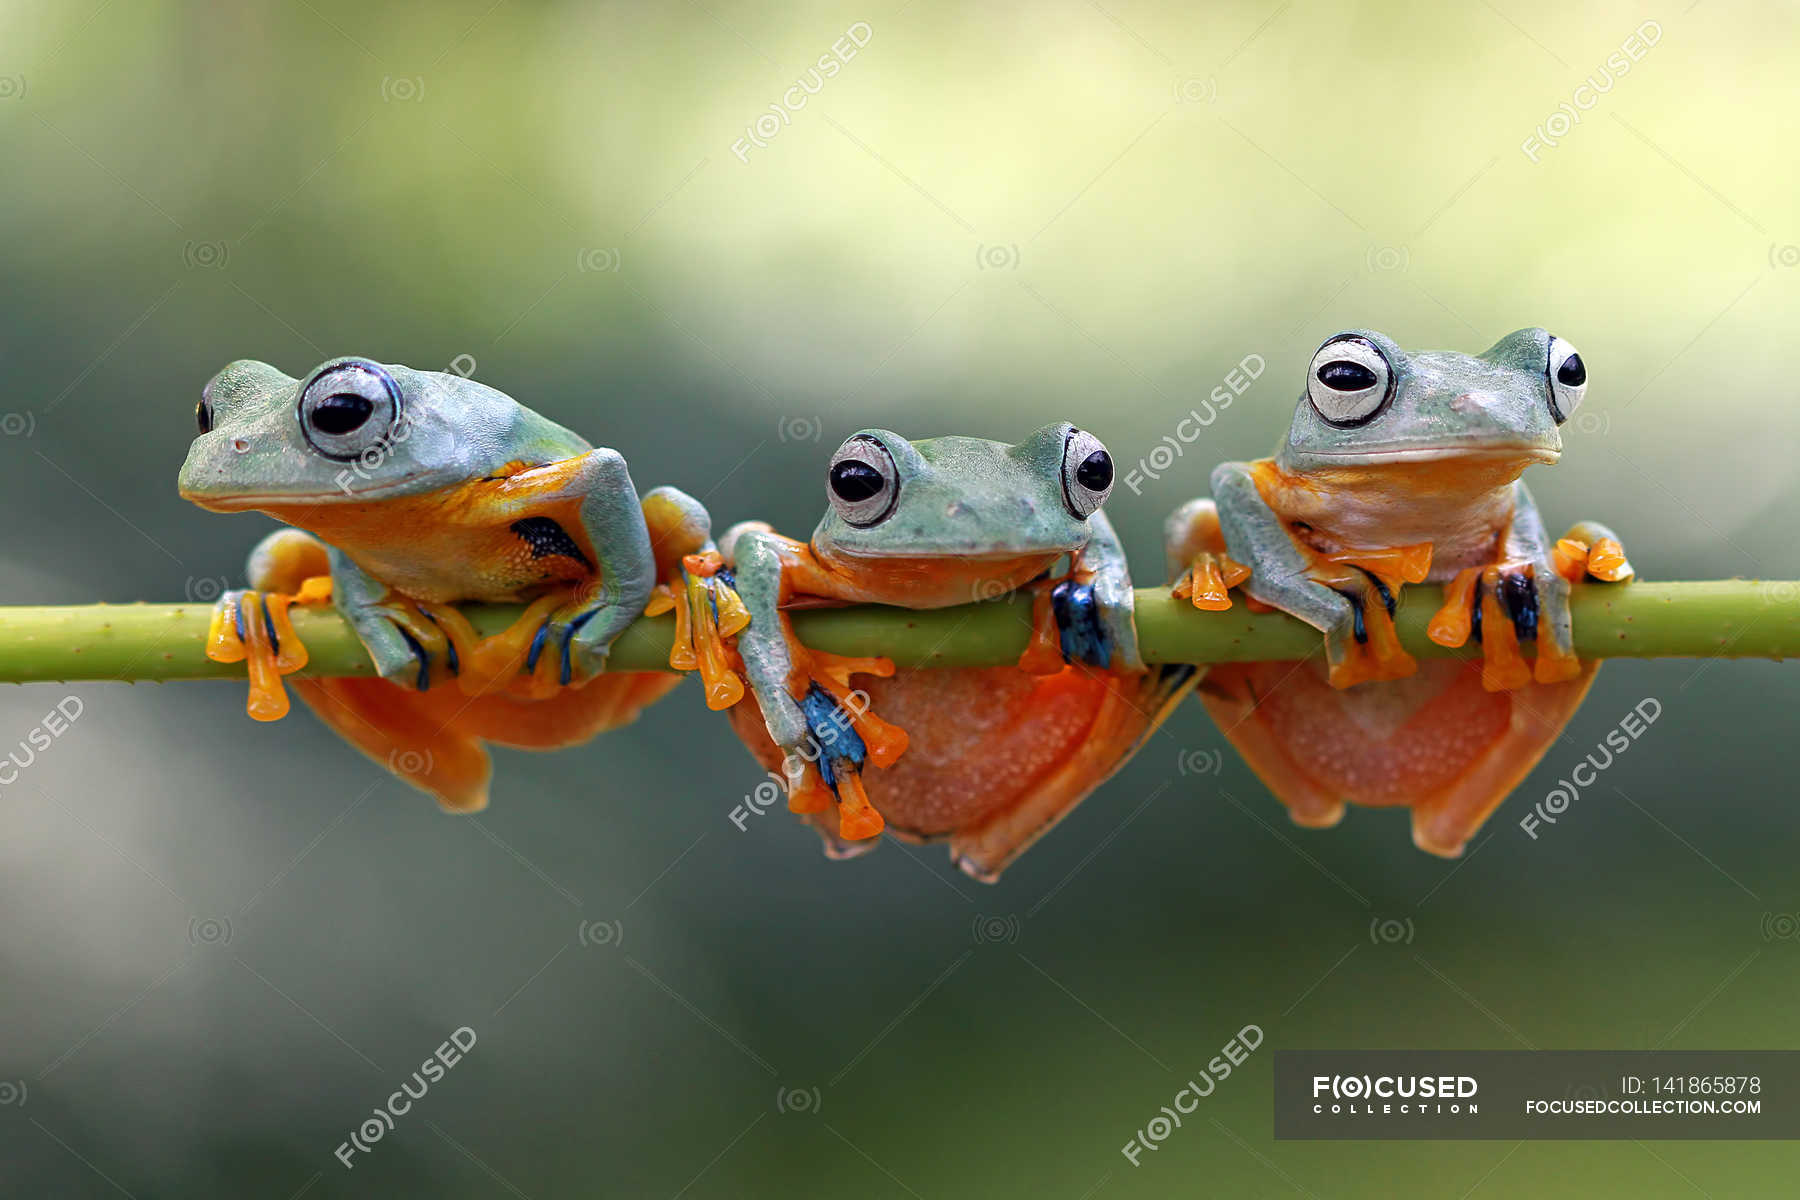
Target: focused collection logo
[[1395, 1095]]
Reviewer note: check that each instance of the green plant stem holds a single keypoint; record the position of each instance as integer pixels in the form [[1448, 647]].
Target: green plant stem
[[1730, 618]]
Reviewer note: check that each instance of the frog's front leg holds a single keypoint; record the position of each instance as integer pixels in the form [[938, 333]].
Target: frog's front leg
[[1103, 562], [823, 729], [613, 520], [1281, 574], [1086, 616], [404, 641], [566, 634], [1524, 598]]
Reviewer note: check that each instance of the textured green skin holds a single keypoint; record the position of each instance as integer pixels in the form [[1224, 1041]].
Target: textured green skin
[[958, 496], [457, 431], [1424, 415]]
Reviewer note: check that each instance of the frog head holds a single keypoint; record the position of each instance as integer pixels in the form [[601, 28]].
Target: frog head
[[963, 497], [352, 431], [1370, 404]]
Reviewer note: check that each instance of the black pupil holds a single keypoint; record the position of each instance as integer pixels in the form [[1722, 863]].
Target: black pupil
[[1095, 472], [1346, 376], [342, 413], [855, 481], [203, 416], [1573, 372]]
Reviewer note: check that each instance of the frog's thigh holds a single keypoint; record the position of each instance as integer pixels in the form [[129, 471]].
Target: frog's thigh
[[286, 559], [678, 525], [1190, 530]]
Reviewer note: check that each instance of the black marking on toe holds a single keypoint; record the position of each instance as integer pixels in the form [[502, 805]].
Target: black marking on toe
[[726, 577], [418, 651], [568, 668], [237, 619], [1518, 593], [1475, 610], [1358, 626], [537, 647], [450, 659], [547, 539], [1387, 595], [269, 625]]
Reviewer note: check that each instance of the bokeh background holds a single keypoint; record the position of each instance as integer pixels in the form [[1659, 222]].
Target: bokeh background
[[224, 942]]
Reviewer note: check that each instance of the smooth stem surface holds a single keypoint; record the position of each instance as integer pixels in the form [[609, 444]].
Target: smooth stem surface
[[1731, 618]]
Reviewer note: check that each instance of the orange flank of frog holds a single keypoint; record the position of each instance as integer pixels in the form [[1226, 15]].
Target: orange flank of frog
[[458, 543]]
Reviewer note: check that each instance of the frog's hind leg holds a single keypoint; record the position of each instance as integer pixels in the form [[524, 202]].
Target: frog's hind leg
[[1198, 567], [679, 526], [1129, 710], [434, 739], [252, 626], [1230, 694], [1437, 742], [1444, 823], [1589, 549], [410, 733]]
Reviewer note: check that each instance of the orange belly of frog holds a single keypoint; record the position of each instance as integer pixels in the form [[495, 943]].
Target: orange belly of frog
[[995, 756], [1437, 741]]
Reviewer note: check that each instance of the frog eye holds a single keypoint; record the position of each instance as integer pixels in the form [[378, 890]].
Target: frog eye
[[1087, 473], [203, 414], [862, 482], [349, 408], [1568, 380], [1349, 381]]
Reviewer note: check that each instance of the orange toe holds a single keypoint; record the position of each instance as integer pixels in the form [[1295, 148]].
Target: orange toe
[[1606, 561]]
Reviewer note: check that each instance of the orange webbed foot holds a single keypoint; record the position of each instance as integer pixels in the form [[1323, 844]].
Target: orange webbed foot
[[254, 628], [1208, 581], [709, 613], [1371, 582], [884, 742], [1589, 550], [828, 770]]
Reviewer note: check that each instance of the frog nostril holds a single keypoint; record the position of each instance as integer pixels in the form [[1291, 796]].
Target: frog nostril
[[240, 445]]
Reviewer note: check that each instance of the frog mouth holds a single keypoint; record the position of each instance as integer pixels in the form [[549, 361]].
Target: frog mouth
[[245, 502], [948, 554], [1521, 452]]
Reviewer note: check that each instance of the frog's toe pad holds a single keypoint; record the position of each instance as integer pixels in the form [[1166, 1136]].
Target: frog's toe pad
[[1208, 581], [1607, 562]]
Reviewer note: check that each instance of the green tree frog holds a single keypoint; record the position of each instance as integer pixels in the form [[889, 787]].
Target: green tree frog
[[1402, 468], [422, 490], [989, 758]]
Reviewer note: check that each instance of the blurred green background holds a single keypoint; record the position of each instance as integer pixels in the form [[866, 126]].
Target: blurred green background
[[224, 943]]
